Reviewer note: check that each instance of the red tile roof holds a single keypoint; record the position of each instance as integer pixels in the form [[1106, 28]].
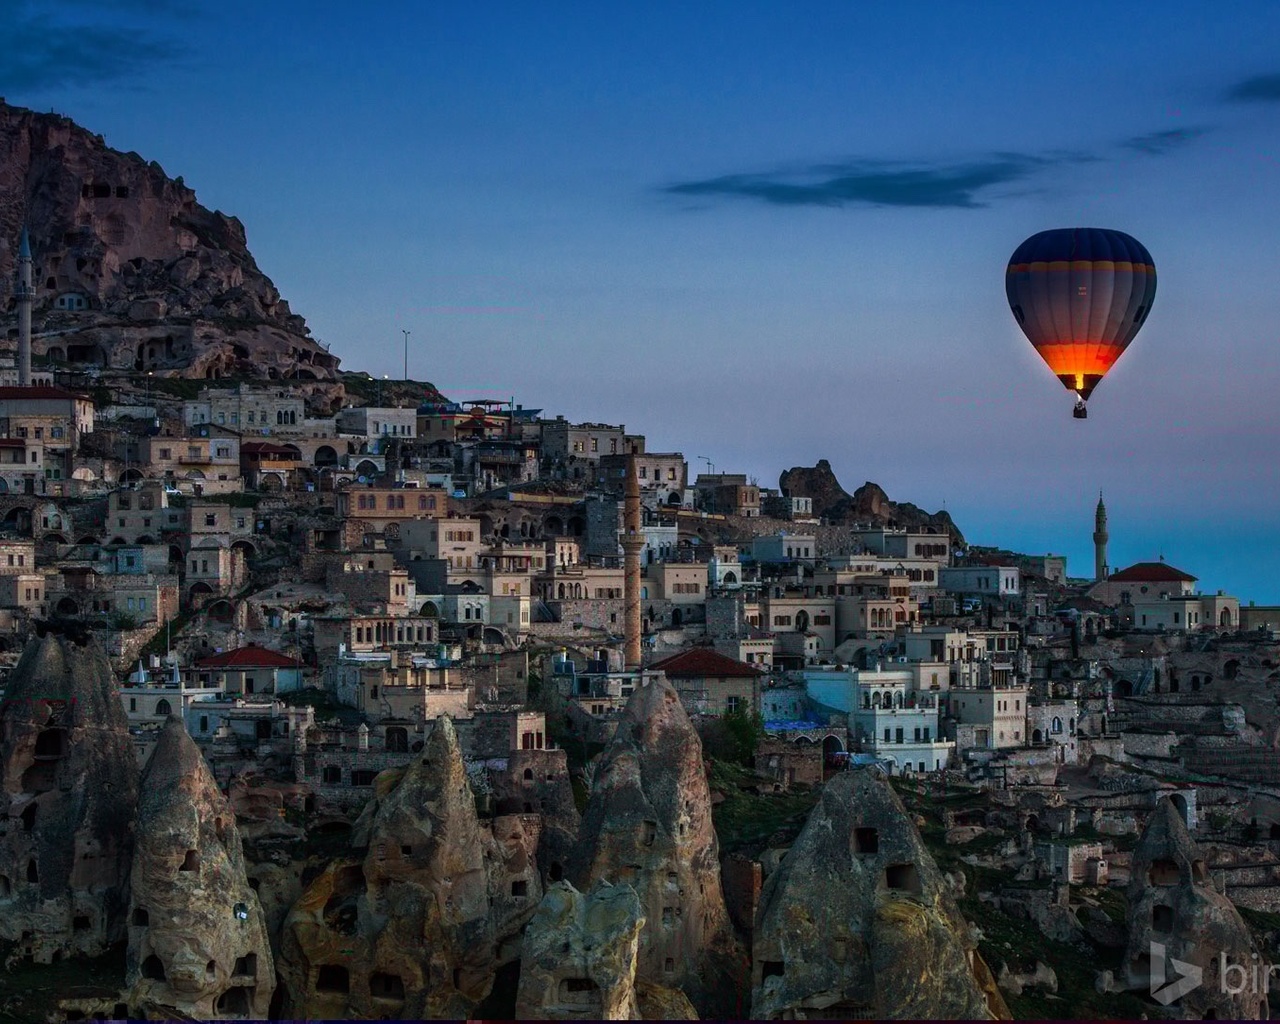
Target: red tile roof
[[1151, 572], [252, 656], [703, 663]]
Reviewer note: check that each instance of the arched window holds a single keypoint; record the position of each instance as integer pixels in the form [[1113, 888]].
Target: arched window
[[1057, 726], [163, 708]]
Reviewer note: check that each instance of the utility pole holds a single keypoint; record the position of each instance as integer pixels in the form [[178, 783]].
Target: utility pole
[[406, 353]]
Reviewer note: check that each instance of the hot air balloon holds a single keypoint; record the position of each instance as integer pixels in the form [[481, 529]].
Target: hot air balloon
[[1080, 296]]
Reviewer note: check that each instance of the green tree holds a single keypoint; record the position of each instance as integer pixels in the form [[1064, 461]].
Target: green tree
[[743, 731]]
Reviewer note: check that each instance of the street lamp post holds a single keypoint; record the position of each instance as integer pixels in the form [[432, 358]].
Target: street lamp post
[[406, 353]]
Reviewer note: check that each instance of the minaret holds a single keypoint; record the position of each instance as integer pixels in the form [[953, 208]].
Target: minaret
[[632, 545], [25, 297], [1100, 538]]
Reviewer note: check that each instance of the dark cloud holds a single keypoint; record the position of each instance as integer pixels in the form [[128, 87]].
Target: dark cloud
[[1159, 143], [964, 185], [870, 183], [1259, 89], [45, 52]]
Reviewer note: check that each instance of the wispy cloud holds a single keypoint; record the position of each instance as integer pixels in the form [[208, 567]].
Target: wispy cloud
[[870, 183], [76, 48], [1159, 143], [958, 184], [1259, 89]]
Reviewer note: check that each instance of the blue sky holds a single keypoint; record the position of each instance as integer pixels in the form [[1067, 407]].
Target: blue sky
[[761, 233]]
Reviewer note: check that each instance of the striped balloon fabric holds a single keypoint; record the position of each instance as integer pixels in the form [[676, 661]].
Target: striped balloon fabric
[[1080, 296]]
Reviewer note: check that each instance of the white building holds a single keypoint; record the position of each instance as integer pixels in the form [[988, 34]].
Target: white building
[[894, 713], [785, 547], [982, 580], [373, 422], [991, 719]]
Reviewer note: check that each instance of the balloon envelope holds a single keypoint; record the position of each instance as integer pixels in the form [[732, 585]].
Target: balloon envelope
[[1080, 296]]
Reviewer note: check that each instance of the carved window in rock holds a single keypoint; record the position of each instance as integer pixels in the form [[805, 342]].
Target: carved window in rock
[[386, 986], [579, 992], [866, 840], [1162, 919], [236, 1001], [153, 968], [903, 878], [191, 861], [333, 978], [648, 832], [140, 917]]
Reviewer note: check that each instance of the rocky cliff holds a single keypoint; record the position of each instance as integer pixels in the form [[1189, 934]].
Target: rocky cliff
[[868, 504], [857, 921], [198, 940], [1174, 910], [417, 927], [579, 955], [131, 272], [648, 825], [70, 783]]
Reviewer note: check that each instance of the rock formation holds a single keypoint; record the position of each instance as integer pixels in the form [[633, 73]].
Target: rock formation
[[579, 955], [1175, 911], [419, 926], [648, 825], [197, 936], [70, 781], [857, 921], [868, 504], [131, 272]]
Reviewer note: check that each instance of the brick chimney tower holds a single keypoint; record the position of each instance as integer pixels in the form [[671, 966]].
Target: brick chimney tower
[[632, 545], [26, 295]]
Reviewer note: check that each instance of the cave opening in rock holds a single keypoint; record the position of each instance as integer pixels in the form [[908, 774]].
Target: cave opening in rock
[[772, 969], [333, 978], [29, 817], [211, 971], [1162, 918], [556, 872], [81, 923], [153, 968], [191, 862], [33, 872], [582, 992], [866, 840], [247, 965], [903, 878], [386, 986], [519, 889], [140, 917], [236, 1001]]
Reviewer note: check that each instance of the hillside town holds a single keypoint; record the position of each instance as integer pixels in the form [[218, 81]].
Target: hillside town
[[328, 696]]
